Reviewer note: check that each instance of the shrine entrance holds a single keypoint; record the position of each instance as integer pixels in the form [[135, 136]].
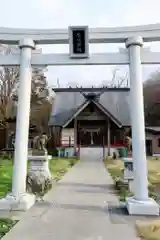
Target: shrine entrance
[[92, 126], [91, 136]]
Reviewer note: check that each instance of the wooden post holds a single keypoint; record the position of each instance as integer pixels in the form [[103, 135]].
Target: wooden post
[[75, 135], [108, 138], [104, 148]]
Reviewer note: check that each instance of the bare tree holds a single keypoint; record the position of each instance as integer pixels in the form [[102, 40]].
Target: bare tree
[[151, 91], [9, 85], [8, 92], [118, 79]]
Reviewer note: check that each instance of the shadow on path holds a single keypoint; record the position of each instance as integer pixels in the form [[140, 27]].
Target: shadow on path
[[72, 184]]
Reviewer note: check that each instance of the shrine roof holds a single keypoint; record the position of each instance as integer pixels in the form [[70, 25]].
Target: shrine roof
[[67, 103]]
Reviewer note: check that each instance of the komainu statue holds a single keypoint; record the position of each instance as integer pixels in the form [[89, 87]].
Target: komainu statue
[[40, 142], [39, 178], [128, 143]]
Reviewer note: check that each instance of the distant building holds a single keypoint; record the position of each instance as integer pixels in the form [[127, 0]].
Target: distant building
[[97, 118]]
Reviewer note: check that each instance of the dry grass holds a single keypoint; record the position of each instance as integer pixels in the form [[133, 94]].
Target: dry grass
[[148, 230], [153, 168], [117, 163], [153, 163], [145, 230]]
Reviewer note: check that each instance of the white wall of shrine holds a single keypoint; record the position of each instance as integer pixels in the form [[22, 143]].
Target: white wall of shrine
[[67, 137]]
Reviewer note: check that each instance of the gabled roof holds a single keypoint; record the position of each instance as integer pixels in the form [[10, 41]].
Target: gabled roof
[[106, 112], [153, 129], [66, 104], [78, 111]]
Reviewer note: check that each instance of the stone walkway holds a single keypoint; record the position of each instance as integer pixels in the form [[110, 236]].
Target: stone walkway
[[81, 207]]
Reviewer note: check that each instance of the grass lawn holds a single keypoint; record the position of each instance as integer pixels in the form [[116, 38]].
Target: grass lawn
[[58, 167], [5, 187], [116, 167], [5, 176], [5, 225]]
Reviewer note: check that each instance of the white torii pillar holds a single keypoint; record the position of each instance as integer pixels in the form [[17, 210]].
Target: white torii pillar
[[19, 199], [140, 204]]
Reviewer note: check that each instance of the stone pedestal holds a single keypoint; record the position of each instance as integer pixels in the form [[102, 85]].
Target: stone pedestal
[[134, 206], [137, 207], [131, 185], [39, 164], [128, 169], [39, 178], [19, 203], [36, 152], [128, 173]]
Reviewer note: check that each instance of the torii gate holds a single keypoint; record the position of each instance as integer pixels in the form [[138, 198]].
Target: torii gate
[[134, 55]]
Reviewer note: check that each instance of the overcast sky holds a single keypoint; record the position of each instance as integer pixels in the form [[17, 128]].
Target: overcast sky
[[94, 13]]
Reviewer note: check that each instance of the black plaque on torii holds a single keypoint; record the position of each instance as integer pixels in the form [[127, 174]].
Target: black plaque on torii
[[78, 42]]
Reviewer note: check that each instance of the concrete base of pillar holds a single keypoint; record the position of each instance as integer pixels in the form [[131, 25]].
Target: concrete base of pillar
[[136, 207], [22, 203]]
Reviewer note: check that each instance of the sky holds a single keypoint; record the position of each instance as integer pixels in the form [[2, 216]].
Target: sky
[[94, 13]]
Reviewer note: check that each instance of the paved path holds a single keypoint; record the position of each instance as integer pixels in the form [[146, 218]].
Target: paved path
[[75, 210]]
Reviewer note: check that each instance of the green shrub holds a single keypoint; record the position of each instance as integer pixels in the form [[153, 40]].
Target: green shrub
[[123, 193], [53, 152], [73, 161], [5, 225]]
